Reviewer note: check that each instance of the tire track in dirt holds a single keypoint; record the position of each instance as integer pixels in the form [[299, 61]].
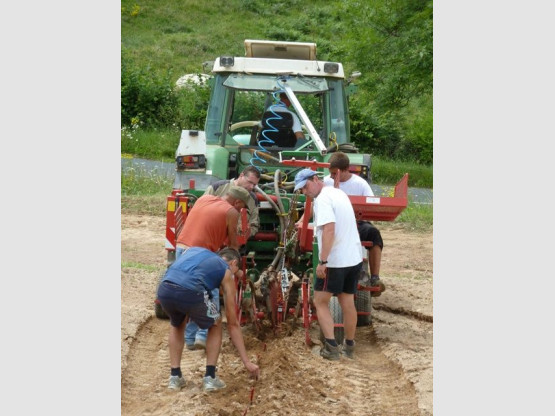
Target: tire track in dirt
[[409, 342], [406, 312]]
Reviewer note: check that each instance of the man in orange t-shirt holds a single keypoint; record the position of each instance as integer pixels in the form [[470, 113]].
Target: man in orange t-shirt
[[212, 222]]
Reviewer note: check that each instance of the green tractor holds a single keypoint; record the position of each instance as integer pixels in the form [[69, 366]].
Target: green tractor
[[279, 260]]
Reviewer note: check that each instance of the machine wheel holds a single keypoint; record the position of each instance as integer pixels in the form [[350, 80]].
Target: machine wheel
[[337, 316], [363, 303], [158, 311]]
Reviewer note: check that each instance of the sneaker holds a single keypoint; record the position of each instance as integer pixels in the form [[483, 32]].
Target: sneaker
[[211, 384], [348, 351], [329, 352], [190, 346], [176, 383], [200, 344]]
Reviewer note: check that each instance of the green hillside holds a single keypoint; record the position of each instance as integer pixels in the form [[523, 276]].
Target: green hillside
[[389, 42]]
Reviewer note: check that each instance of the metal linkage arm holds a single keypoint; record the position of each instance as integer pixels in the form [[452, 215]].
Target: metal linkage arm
[[297, 105]]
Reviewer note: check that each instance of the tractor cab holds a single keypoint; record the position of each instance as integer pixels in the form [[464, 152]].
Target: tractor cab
[[243, 90]]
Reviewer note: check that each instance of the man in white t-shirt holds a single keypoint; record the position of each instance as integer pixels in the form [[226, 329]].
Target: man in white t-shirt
[[340, 259], [352, 184]]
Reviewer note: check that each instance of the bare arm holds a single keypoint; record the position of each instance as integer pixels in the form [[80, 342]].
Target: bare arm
[[232, 219], [228, 286], [328, 236]]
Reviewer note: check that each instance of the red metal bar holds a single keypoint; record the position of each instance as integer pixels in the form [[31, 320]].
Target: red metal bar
[[312, 164], [176, 214], [261, 197], [266, 236], [368, 288], [306, 315], [242, 238]]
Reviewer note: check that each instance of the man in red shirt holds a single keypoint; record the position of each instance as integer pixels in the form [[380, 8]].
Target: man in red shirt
[[212, 222]]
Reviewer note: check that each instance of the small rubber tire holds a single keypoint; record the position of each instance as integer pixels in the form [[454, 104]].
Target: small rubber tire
[[363, 303], [337, 316]]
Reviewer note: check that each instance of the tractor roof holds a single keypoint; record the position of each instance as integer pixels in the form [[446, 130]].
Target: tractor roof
[[279, 58]]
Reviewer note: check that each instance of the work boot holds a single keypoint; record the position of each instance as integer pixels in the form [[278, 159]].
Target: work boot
[[375, 281], [348, 351], [329, 352]]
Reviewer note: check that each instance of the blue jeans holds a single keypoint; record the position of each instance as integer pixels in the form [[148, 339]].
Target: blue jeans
[[192, 331]]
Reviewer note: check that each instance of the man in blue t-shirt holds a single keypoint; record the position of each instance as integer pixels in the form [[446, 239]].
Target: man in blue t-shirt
[[185, 291]]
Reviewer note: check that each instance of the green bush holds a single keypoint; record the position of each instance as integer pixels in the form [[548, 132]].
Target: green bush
[[147, 100], [418, 144]]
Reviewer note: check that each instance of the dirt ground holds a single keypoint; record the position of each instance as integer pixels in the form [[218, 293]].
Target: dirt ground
[[391, 375]]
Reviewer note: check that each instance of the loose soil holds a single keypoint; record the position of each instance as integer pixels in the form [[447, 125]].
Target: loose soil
[[391, 375]]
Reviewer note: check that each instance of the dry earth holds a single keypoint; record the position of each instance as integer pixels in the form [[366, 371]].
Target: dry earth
[[392, 373]]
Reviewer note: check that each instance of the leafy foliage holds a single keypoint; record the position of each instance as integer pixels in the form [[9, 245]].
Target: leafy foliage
[[389, 41], [397, 60], [146, 100]]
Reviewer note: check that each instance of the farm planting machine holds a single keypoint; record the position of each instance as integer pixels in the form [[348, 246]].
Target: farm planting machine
[[279, 261]]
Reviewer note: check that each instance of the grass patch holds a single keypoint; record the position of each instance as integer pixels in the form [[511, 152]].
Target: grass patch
[[140, 183], [389, 172], [154, 205], [133, 265], [417, 217], [159, 144], [146, 195]]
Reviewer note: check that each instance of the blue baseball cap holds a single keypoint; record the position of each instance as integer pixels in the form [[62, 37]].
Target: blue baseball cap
[[302, 177]]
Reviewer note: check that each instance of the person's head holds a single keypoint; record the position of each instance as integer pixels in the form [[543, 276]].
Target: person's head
[[238, 197], [308, 182], [284, 99], [339, 165], [231, 257], [248, 178]]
